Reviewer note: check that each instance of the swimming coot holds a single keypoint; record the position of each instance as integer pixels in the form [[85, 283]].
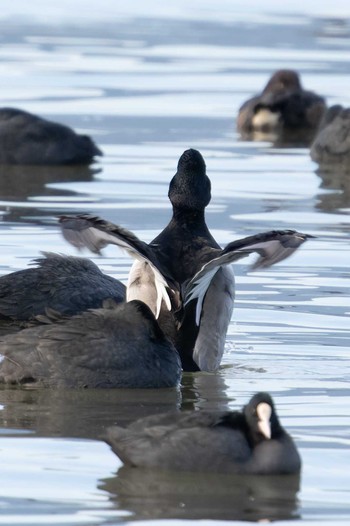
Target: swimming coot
[[66, 284], [119, 345], [28, 139], [248, 441], [331, 147]]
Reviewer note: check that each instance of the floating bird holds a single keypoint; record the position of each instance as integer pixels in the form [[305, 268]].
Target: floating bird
[[250, 441], [28, 139], [183, 274], [331, 147], [114, 346], [66, 284], [283, 109]]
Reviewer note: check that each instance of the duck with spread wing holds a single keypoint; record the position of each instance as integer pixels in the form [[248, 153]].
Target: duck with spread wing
[[183, 275]]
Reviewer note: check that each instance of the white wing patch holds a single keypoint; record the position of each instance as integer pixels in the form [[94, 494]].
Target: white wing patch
[[161, 295], [95, 239], [198, 290]]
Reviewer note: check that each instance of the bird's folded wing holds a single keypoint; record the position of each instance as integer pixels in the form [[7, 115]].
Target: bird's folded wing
[[94, 233], [272, 247]]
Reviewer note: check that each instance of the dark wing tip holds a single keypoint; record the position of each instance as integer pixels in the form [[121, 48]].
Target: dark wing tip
[[291, 237], [87, 217]]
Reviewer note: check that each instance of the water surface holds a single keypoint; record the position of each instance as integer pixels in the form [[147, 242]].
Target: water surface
[[146, 82]]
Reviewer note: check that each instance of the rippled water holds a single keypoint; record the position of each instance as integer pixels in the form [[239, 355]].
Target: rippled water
[[148, 80]]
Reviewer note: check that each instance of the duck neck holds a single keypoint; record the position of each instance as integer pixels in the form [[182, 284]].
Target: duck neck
[[189, 216]]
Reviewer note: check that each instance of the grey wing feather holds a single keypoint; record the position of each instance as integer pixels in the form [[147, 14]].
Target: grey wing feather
[[215, 316], [272, 247], [90, 231]]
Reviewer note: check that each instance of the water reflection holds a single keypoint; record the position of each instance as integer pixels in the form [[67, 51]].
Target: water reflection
[[80, 413], [204, 391], [339, 196], [164, 81], [151, 494], [21, 183], [87, 413], [282, 139]]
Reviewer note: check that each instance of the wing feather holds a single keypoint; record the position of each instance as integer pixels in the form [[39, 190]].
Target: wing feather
[[272, 247], [94, 233]]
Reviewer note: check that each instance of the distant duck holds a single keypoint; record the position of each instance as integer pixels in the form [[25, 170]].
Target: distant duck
[[66, 284], [251, 441], [331, 147], [183, 274], [283, 109], [31, 140], [114, 346]]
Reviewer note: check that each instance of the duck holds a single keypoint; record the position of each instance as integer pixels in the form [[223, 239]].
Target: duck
[[331, 146], [284, 109], [116, 346], [28, 139], [68, 285], [251, 441], [183, 275]]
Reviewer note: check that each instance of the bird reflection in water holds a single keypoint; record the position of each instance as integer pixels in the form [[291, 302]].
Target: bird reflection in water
[[21, 183], [79, 413], [152, 494], [338, 195]]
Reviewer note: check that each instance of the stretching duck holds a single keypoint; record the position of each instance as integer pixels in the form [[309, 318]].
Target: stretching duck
[[250, 441], [283, 108], [28, 139], [183, 274]]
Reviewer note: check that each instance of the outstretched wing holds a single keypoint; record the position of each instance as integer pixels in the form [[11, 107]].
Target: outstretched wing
[[90, 231], [272, 247]]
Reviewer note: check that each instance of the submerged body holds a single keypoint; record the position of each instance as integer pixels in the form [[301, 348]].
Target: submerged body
[[252, 441]]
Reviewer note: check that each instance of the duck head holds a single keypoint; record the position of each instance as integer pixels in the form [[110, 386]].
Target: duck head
[[261, 418], [190, 188], [283, 80]]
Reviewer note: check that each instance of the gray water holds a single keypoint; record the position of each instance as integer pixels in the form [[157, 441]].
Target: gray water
[[146, 81]]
